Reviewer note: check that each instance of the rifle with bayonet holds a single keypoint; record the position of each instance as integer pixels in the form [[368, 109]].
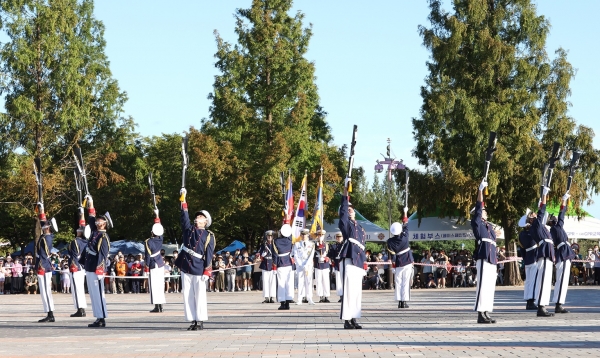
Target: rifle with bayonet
[[184, 158], [489, 154], [351, 158]]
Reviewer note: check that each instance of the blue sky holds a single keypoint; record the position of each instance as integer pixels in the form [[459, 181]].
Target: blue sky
[[370, 63]]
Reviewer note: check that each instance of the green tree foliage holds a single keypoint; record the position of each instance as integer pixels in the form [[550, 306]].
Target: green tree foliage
[[58, 91], [265, 118], [489, 71]]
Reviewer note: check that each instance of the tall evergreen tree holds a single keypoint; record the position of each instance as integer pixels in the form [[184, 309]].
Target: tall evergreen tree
[[58, 90], [265, 105], [489, 71]]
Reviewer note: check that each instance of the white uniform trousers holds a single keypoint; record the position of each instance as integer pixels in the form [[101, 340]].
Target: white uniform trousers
[[530, 281], [77, 289], [194, 297], [45, 284], [402, 279], [96, 291], [544, 281], [563, 271], [352, 283], [323, 284], [156, 280], [285, 283], [269, 280], [339, 283], [305, 282], [486, 286]]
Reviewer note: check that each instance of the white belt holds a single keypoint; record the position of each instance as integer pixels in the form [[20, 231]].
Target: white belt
[[489, 240], [403, 251], [283, 255], [268, 257], [191, 252], [155, 254], [531, 248], [561, 244], [549, 241], [91, 252], [357, 243]]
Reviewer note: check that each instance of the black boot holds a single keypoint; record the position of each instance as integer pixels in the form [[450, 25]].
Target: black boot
[[326, 300], [400, 304], [341, 299], [320, 299], [79, 313], [487, 315], [304, 300], [531, 305], [98, 323], [287, 305], [405, 304], [542, 312], [49, 318], [560, 309], [481, 318], [348, 325], [272, 300], [201, 326], [193, 326], [155, 310], [266, 300], [355, 324], [160, 307], [282, 307], [82, 312]]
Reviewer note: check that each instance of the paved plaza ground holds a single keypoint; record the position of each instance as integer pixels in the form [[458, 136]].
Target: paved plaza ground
[[439, 323]]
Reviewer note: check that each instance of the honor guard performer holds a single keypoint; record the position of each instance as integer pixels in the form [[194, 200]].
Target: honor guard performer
[[43, 264], [304, 252], [486, 258], [269, 279], [545, 257], [76, 249], [283, 264], [96, 254], [322, 267], [335, 255], [564, 255], [353, 262], [156, 266], [402, 260], [530, 247], [194, 260]]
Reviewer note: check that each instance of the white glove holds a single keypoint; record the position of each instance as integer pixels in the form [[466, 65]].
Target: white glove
[[347, 181], [546, 190], [89, 200], [100, 277], [405, 211], [566, 197], [204, 278], [80, 210], [40, 207], [156, 212], [483, 185], [183, 192]]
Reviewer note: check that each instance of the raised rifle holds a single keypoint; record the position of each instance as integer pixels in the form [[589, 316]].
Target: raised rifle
[[406, 188], [489, 154], [37, 171], [549, 167], [81, 168], [151, 185], [351, 158], [184, 156]]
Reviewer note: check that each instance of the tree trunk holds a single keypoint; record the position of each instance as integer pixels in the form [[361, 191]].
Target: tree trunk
[[512, 274]]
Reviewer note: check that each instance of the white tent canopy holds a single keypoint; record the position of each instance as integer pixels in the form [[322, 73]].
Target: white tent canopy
[[434, 228], [374, 232], [585, 228]]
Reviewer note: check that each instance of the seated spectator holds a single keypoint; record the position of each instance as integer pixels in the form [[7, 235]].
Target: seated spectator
[[430, 281], [459, 275], [373, 279], [31, 282], [574, 275], [417, 281]]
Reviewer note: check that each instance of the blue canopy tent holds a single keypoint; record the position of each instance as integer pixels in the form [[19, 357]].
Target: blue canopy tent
[[126, 247], [31, 248], [235, 245]]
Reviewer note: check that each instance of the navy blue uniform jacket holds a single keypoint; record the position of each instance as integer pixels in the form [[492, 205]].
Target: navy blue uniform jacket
[[397, 244], [266, 252], [334, 251], [559, 236], [527, 241], [281, 246], [542, 236], [97, 249], [76, 251], [321, 251], [43, 250], [200, 241], [485, 251], [351, 229], [153, 257]]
